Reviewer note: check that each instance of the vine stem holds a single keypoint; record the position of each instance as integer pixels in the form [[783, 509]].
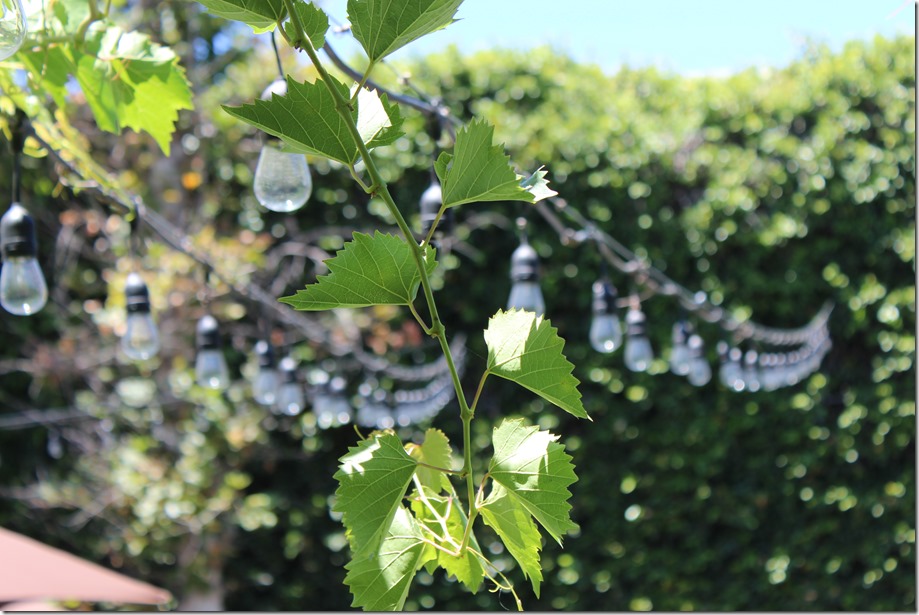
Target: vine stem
[[440, 213], [378, 185]]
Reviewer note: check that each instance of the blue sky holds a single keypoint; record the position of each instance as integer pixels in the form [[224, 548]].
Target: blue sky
[[685, 36]]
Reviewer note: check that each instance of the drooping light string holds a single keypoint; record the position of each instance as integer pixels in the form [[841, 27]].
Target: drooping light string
[[658, 283]]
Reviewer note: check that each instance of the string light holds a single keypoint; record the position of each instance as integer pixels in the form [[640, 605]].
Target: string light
[[282, 181], [605, 330], [638, 352], [700, 372], [291, 399], [680, 354], [141, 339], [23, 290], [13, 27], [211, 369], [265, 387], [525, 291]]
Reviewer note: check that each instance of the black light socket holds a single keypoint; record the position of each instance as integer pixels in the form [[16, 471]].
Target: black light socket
[[265, 354], [136, 295], [681, 332], [604, 298], [635, 323], [207, 333], [524, 264], [17, 233]]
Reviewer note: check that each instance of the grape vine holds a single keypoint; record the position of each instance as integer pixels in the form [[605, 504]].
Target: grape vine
[[399, 505]]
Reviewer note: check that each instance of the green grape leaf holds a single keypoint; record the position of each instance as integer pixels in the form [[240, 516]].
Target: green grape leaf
[[372, 480], [516, 529], [380, 581], [128, 80], [369, 270], [537, 185], [478, 170], [526, 349], [444, 522], [314, 21], [307, 121], [536, 471], [51, 68], [260, 15], [383, 26], [434, 451]]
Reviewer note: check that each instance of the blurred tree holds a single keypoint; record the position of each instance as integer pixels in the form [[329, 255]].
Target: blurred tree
[[771, 191]]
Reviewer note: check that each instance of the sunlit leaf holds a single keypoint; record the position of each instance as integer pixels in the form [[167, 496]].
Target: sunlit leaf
[[128, 80], [526, 349], [478, 170], [306, 119], [434, 451], [314, 21], [380, 581], [372, 480], [383, 26], [514, 526], [536, 471], [261, 15], [369, 270], [466, 566]]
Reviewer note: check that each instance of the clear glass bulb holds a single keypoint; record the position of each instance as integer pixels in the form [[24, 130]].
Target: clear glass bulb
[[141, 339], [12, 27], [605, 333], [265, 387], [211, 369], [291, 399], [680, 359], [700, 372], [282, 179], [730, 375], [527, 296], [22, 286], [638, 353]]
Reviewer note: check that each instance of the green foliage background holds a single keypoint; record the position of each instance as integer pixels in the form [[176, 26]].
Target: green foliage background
[[773, 192]]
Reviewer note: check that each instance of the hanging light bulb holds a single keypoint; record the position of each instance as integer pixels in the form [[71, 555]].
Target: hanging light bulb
[[430, 203], [525, 291], [22, 286], [141, 339], [13, 27], [638, 353], [751, 371], [730, 373], [282, 179], [700, 372], [680, 354], [210, 366], [265, 387], [605, 330], [290, 394]]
